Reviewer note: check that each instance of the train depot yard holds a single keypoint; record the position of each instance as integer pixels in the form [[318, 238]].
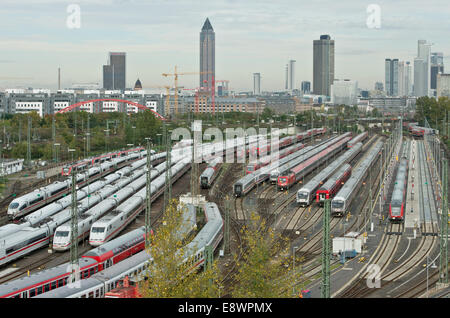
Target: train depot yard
[[358, 214]]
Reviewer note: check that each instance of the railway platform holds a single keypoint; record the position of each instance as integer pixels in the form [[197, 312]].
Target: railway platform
[[412, 212]]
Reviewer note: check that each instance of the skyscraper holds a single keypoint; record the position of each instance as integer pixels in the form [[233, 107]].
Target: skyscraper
[[114, 73], [323, 65], [256, 83], [306, 87], [422, 69], [437, 66], [207, 55], [291, 75], [391, 76]]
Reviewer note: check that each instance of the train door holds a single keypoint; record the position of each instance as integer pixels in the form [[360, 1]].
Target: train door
[[108, 263]]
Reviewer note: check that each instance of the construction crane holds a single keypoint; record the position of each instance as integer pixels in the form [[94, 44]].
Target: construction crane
[[167, 104], [175, 75]]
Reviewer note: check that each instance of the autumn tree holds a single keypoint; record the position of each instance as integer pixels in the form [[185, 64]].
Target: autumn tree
[[167, 275], [262, 266]]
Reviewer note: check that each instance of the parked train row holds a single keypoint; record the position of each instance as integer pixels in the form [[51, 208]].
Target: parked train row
[[299, 171], [100, 283], [310, 191], [102, 202], [262, 162], [45, 195], [343, 199], [360, 138], [246, 183], [397, 206], [418, 131], [93, 261], [83, 164], [115, 221]]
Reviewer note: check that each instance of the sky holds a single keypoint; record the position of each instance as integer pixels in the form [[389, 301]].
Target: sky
[[251, 36]]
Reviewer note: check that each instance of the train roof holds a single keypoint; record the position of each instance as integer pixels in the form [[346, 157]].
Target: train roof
[[117, 242], [359, 172], [335, 177]]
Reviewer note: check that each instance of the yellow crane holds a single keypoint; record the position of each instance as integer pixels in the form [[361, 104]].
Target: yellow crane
[[175, 75]]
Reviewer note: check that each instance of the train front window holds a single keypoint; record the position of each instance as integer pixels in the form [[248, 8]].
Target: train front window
[[249, 168], [322, 196], [61, 233], [98, 230], [14, 205], [238, 188], [302, 195], [336, 204], [283, 180]]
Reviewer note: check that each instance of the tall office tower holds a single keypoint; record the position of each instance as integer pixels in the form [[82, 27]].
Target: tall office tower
[[286, 84], [422, 69], [379, 86], [391, 76], [401, 78], [437, 66], [256, 83], [306, 87], [323, 65], [114, 73], [291, 75], [407, 81], [207, 55]]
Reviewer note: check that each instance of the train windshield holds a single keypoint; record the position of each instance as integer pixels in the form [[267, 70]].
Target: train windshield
[[250, 168], [322, 196], [14, 205], [61, 233], [98, 230], [283, 179], [302, 195], [337, 204]]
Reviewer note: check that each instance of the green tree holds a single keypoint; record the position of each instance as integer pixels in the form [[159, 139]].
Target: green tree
[[261, 269], [167, 276]]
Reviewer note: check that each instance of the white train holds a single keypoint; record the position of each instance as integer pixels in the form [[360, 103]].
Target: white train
[[137, 265], [211, 172], [343, 199], [45, 195], [103, 203], [111, 224]]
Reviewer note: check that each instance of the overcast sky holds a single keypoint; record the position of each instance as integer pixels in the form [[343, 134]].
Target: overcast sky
[[251, 36]]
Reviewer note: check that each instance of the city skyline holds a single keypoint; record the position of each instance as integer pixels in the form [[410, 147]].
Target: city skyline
[[273, 33]]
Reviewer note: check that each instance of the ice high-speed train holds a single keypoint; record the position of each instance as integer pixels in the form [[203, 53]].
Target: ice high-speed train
[[45, 195]]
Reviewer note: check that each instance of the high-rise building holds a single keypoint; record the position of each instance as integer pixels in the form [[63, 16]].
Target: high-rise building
[[443, 85], [291, 75], [256, 83], [422, 69], [323, 65], [286, 82], [207, 55], [437, 66], [391, 76], [344, 92], [408, 79], [379, 86], [306, 87], [114, 73]]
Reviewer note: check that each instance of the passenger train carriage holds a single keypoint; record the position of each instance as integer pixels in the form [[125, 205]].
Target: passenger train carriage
[[397, 206], [343, 199]]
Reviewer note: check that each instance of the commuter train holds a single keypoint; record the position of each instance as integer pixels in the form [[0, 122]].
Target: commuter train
[[307, 194], [99, 284], [85, 163], [333, 184], [361, 137], [296, 173], [211, 172], [90, 263], [343, 199], [286, 167], [397, 206], [262, 162], [45, 195], [115, 221]]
